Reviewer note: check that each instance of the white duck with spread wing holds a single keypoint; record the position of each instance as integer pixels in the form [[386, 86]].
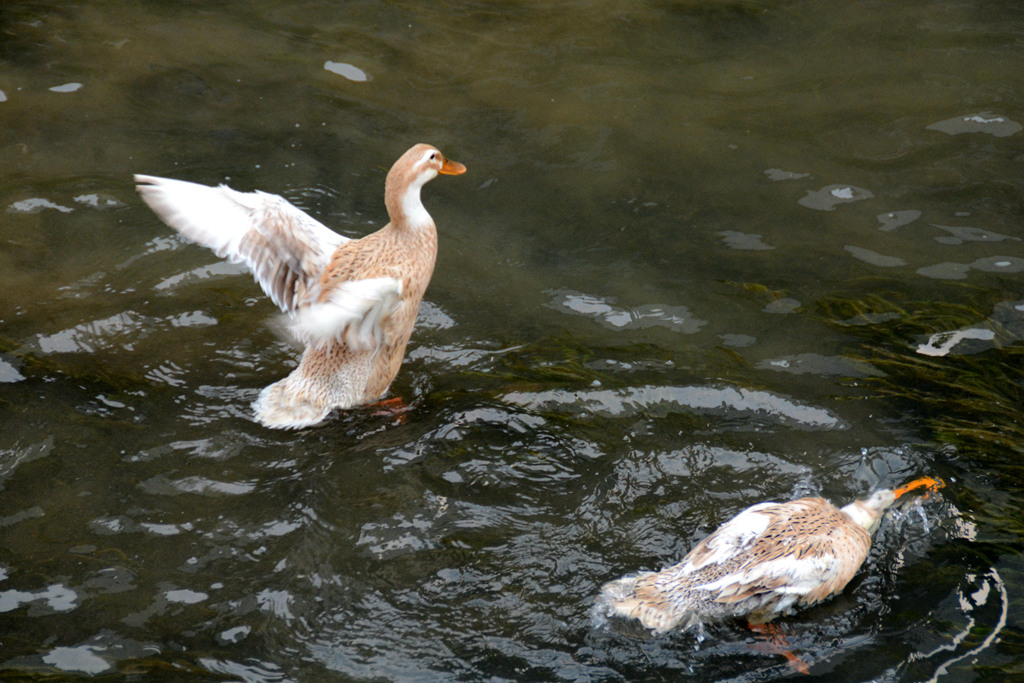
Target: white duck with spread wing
[[352, 302]]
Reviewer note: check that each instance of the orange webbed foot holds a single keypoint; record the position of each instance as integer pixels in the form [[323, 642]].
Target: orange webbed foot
[[391, 407], [776, 644]]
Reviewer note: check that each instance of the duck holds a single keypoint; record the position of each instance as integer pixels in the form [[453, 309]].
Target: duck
[[765, 562], [350, 303]]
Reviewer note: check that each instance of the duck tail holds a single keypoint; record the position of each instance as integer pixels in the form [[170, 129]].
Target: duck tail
[[633, 598], [279, 408]]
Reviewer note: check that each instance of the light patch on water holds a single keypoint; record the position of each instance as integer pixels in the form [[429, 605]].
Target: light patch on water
[[184, 596], [235, 635], [108, 581], [81, 658], [744, 241], [94, 656], [153, 246], [945, 271], [13, 457], [992, 124], [396, 536], [352, 73], [737, 341], [960, 234], [35, 205], [896, 219], [941, 343], [162, 485], [107, 525], [117, 525], [828, 197], [280, 528], [959, 271], [253, 671], [66, 87], [276, 602], [870, 318], [85, 287], [56, 597], [193, 319], [218, 269], [96, 335], [999, 264], [452, 356], [167, 373], [817, 364], [99, 201], [777, 174], [432, 317], [605, 313], [874, 258], [783, 306], [661, 400], [8, 373]]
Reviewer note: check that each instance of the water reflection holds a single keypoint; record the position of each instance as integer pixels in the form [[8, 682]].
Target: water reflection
[[717, 253], [992, 124]]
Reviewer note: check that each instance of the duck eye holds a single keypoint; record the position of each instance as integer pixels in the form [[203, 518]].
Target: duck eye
[[433, 156]]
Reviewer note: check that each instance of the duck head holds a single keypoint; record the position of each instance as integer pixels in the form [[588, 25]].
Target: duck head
[[418, 166]]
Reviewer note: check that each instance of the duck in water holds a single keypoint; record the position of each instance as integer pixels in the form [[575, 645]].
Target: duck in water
[[764, 562], [352, 302]]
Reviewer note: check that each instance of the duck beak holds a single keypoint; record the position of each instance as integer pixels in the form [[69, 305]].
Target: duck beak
[[450, 167], [927, 483]]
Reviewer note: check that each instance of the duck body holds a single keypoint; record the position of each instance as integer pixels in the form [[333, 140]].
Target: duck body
[[765, 562], [352, 303]]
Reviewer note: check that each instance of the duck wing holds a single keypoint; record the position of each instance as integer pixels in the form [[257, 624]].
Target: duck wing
[[355, 313], [285, 248], [805, 551]]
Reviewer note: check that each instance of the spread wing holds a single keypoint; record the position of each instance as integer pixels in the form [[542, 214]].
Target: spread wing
[[285, 249]]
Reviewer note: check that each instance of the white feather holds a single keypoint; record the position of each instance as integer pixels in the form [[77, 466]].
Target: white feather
[[285, 248], [412, 205], [802, 575], [355, 314], [732, 537]]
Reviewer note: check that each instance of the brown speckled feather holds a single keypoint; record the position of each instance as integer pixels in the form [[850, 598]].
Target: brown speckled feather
[[769, 559]]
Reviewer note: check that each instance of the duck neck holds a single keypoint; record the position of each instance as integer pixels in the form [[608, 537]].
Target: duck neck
[[863, 515], [405, 208]]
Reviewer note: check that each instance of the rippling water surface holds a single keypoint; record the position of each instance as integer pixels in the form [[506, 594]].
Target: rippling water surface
[[707, 254]]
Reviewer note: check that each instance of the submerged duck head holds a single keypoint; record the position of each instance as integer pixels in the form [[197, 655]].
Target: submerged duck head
[[868, 513]]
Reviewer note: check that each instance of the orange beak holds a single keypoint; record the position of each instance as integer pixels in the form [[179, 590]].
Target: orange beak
[[450, 167], [928, 483]]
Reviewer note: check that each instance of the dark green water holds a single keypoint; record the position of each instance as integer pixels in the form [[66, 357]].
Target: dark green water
[[697, 263]]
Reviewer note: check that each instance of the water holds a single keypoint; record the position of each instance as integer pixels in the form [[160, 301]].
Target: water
[[691, 266]]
